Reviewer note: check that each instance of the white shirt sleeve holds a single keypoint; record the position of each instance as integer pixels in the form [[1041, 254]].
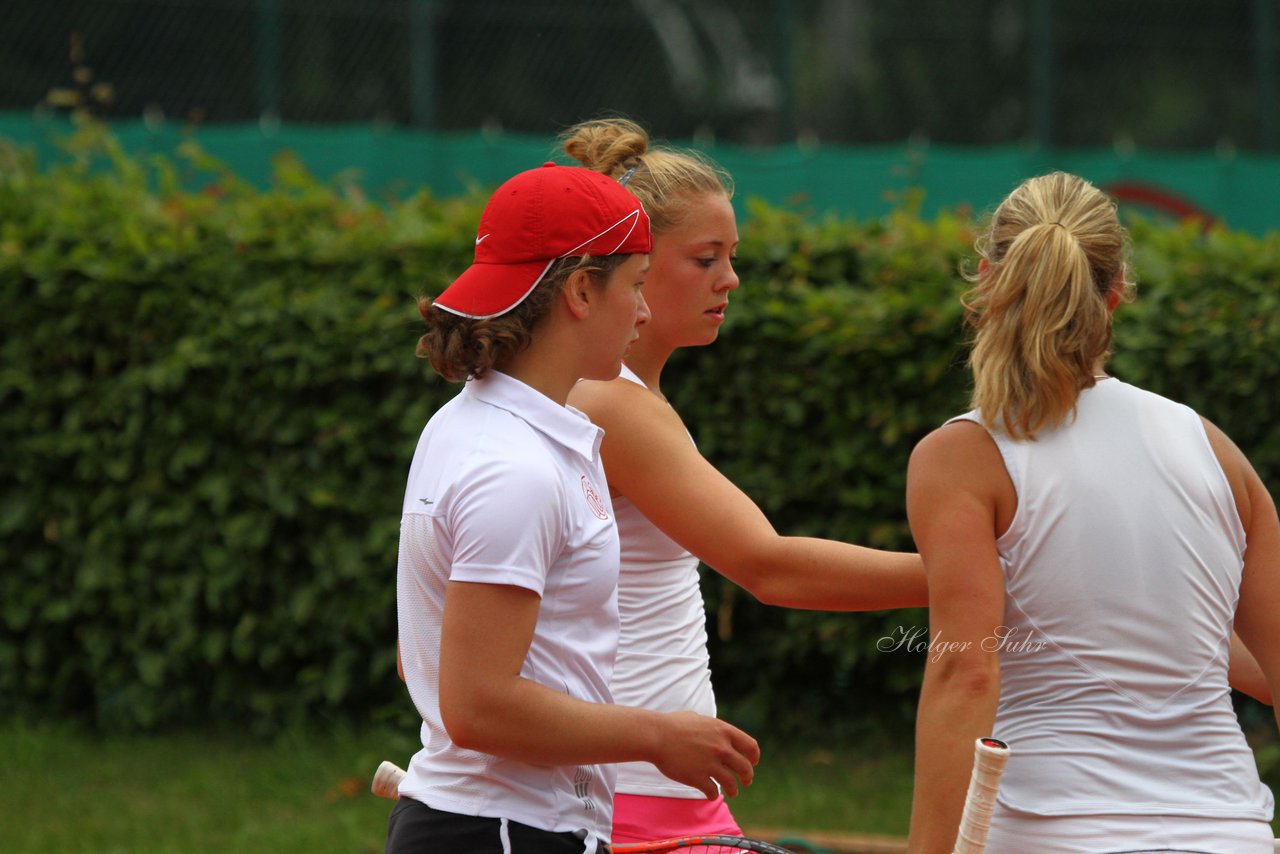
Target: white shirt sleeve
[[507, 524]]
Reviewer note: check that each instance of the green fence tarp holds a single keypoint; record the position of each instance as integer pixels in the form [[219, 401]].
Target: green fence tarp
[[1242, 190]]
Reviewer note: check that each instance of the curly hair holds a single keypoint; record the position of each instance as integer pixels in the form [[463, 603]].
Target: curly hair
[[462, 347]]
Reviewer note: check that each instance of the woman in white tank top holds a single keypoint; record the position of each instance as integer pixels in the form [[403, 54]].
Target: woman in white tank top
[[1089, 547], [674, 508]]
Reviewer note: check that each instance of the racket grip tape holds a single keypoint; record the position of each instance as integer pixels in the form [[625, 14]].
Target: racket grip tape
[[386, 781], [989, 757]]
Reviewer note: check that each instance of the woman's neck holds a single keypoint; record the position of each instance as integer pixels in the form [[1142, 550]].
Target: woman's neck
[[546, 366], [647, 359]]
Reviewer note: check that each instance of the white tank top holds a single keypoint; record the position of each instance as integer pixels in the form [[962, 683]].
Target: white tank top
[[1122, 570], [662, 658]]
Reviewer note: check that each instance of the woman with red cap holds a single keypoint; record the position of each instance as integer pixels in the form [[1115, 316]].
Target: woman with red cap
[[508, 564]]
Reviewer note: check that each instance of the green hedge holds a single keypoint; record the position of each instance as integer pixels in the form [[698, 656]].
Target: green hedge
[[207, 400], [208, 403], [846, 346]]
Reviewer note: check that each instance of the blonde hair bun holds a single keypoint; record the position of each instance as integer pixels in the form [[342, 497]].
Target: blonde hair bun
[[668, 181], [609, 146]]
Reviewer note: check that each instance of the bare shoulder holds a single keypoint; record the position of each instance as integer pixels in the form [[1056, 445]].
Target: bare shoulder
[[639, 429], [956, 446], [1229, 456], [1244, 482], [960, 461], [607, 396], [619, 404]]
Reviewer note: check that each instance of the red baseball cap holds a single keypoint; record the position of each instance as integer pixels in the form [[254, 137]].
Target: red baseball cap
[[536, 218]]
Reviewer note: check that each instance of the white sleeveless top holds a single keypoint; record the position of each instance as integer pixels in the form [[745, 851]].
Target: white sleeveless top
[[1122, 571], [662, 660]]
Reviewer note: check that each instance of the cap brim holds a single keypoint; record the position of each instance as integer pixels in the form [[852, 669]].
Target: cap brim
[[491, 290]]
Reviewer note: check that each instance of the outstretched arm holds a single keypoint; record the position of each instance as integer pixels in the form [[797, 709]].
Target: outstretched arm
[[649, 458]]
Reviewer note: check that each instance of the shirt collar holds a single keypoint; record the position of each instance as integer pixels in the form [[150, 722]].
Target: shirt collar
[[562, 424]]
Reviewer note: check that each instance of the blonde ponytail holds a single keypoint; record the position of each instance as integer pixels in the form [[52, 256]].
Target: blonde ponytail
[[667, 181], [1053, 253]]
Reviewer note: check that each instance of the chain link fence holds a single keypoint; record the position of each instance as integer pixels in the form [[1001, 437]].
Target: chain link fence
[[1145, 73]]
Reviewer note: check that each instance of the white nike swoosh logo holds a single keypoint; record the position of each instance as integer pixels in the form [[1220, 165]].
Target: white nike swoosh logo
[[479, 239]]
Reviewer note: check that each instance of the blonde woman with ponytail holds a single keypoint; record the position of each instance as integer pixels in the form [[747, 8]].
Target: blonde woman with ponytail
[[674, 508], [1089, 547]]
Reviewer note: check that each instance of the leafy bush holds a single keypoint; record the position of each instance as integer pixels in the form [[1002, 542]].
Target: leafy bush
[[208, 402], [846, 346]]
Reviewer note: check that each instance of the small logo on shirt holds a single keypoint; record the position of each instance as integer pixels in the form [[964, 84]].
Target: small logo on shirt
[[582, 779], [593, 499], [426, 501]]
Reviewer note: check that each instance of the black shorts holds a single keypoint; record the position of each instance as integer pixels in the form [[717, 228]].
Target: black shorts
[[415, 828]]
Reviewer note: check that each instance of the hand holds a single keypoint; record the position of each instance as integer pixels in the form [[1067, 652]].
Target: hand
[[700, 751]]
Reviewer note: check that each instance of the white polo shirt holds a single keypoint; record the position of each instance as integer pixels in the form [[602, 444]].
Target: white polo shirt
[[507, 487]]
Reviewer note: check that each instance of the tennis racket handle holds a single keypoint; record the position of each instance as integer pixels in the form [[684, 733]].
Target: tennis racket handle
[[386, 781], [989, 757]]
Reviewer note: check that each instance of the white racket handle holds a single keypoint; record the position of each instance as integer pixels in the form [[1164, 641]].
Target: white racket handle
[[386, 781], [989, 756]]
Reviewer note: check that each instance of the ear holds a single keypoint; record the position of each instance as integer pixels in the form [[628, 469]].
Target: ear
[[1116, 292], [578, 293]]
